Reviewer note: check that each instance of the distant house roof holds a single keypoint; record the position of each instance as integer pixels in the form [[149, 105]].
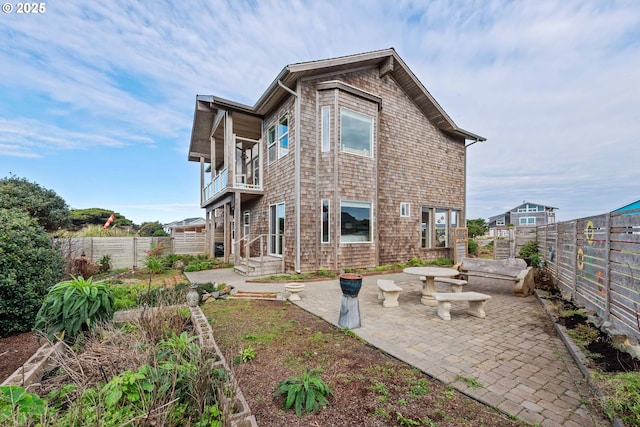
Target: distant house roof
[[630, 206], [388, 60], [185, 222], [515, 210]]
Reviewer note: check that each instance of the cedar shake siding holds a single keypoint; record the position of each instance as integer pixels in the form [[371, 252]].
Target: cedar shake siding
[[416, 158]]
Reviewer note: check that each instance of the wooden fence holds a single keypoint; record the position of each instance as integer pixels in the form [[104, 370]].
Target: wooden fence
[[596, 262], [509, 240], [124, 252]]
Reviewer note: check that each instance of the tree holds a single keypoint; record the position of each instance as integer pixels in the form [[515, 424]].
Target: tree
[[29, 264], [152, 229], [477, 227], [49, 209], [96, 216]]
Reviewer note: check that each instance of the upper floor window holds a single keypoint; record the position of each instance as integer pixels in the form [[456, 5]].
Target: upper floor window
[[356, 133], [278, 139], [527, 220], [326, 129]]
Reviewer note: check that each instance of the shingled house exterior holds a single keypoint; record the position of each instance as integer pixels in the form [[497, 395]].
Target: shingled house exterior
[[342, 163]]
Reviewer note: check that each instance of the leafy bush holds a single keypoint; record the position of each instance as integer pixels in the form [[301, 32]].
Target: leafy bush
[[28, 265], [18, 407], [472, 245], [41, 204], [530, 248], [73, 306], [198, 266], [308, 390], [105, 264]]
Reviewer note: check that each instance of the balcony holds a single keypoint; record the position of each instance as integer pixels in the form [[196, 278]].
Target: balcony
[[219, 187]]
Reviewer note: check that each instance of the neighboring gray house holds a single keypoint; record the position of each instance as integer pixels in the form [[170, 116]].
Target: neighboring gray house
[[526, 214], [342, 163]]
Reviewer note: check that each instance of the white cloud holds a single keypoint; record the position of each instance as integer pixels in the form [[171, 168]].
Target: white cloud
[[552, 85]]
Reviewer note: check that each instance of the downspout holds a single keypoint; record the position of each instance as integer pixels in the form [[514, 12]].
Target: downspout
[[297, 167]]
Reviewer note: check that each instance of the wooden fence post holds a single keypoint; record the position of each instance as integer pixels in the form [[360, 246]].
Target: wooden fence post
[[607, 270]]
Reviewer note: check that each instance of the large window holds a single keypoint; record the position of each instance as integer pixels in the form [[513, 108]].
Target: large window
[[325, 220], [355, 222], [356, 133], [527, 220], [278, 139], [326, 129], [436, 227]]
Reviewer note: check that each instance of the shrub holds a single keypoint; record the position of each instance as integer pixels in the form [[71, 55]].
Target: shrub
[[29, 264], [73, 306], [308, 390], [472, 245], [529, 249]]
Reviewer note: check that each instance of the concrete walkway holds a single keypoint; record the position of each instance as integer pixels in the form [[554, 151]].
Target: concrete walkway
[[515, 353]]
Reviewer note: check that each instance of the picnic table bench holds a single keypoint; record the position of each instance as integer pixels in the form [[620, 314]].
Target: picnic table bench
[[510, 271], [476, 302], [389, 291]]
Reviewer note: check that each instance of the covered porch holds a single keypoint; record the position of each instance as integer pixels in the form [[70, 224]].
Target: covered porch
[[226, 141]]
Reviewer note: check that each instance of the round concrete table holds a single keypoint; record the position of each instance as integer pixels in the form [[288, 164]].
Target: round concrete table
[[429, 284]]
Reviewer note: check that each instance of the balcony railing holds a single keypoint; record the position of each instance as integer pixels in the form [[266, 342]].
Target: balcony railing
[[219, 184]]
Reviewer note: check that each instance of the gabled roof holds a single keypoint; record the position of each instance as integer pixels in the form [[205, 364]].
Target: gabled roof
[[388, 61]]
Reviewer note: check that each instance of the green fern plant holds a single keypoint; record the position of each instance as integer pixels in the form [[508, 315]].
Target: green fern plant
[[307, 390], [73, 306]]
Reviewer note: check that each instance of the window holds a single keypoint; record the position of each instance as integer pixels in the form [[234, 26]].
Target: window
[[356, 133], [500, 221], [404, 209], [355, 222], [326, 129], [278, 139], [425, 229], [246, 222], [276, 229], [283, 136], [441, 228], [443, 222], [527, 220], [325, 221], [271, 144]]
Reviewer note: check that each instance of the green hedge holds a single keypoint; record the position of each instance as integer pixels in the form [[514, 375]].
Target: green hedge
[[29, 265]]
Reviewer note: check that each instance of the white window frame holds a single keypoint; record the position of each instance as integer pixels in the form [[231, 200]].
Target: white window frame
[[282, 150], [524, 220], [276, 138], [325, 220], [405, 209], [272, 151], [325, 129], [356, 204], [368, 152], [246, 223]]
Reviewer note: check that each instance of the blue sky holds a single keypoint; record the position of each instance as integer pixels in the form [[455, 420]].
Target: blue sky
[[97, 98]]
